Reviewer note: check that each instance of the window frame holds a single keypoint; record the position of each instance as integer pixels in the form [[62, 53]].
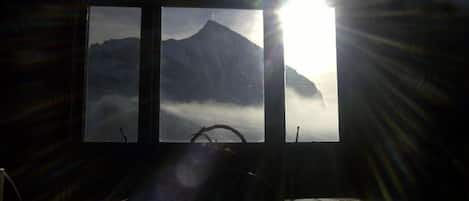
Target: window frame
[[148, 146], [217, 4], [149, 103]]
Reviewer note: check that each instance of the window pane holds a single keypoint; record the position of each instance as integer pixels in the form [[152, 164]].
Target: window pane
[[212, 71], [112, 74], [311, 71]]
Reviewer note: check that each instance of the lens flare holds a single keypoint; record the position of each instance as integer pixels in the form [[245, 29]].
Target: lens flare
[[309, 35]]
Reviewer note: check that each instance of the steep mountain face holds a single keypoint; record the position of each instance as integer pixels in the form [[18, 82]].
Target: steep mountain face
[[113, 68], [215, 64]]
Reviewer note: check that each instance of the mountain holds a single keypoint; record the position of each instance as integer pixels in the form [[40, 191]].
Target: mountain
[[113, 68], [215, 64]]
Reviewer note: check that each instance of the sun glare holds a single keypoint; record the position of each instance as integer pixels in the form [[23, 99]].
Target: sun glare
[[309, 36]]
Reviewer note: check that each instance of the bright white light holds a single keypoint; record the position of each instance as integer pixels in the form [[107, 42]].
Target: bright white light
[[310, 48], [309, 36]]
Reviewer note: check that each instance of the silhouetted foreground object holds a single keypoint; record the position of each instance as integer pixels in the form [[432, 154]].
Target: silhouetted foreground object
[[3, 174], [202, 131]]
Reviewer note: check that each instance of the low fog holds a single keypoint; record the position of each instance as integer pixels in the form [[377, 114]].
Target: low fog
[[107, 116], [318, 120]]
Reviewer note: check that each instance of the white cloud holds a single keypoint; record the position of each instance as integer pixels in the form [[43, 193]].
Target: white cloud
[[317, 123]]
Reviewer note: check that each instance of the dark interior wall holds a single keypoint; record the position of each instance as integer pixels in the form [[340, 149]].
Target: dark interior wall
[[39, 45], [405, 81], [404, 102]]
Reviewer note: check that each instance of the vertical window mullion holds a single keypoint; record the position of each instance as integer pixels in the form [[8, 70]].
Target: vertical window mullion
[[274, 79], [274, 83], [156, 72], [149, 67]]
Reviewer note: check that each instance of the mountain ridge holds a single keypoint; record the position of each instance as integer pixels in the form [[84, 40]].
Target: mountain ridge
[[223, 65], [212, 26]]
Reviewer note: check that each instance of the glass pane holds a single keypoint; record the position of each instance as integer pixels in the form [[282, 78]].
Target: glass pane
[[311, 71], [112, 74], [212, 72]]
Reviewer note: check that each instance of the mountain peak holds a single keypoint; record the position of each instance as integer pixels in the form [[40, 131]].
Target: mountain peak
[[214, 27], [213, 23]]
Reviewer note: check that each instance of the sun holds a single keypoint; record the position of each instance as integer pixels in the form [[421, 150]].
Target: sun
[[309, 36]]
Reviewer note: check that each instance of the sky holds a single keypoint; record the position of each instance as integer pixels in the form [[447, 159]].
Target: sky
[[179, 23], [113, 23], [310, 48]]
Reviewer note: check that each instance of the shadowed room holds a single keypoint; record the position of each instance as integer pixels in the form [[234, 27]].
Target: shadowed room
[[210, 100]]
